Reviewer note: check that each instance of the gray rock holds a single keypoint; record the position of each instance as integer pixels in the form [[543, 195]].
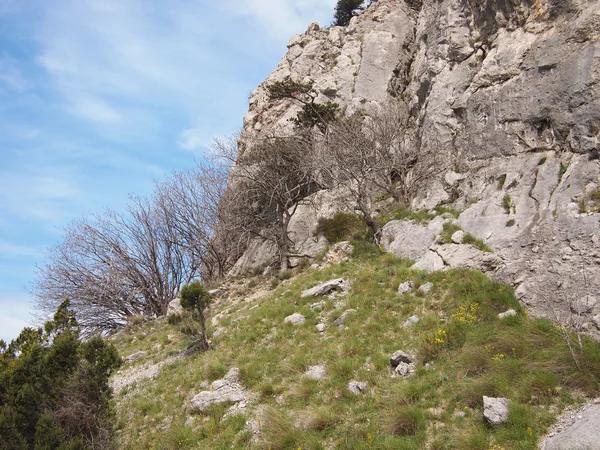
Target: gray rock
[[357, 387], [134, 357], [596, 321], [509, 313], [405, 287], [400, 356], [405, 369], [338, 253], [430, 262], [321, 327], [584, 305], [406, 239], [412, 320], [495, 410], [317, 305], [458, 237], [216, 292], [469, 257], [294, 319], [226, 389], [316, 372], [339, 322], [582, 431], [324, 288], [460, 414], [190, 421], [425, 288], [175, 307]]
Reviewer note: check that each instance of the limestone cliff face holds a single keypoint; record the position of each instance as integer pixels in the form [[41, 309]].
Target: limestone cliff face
[[507, 91]]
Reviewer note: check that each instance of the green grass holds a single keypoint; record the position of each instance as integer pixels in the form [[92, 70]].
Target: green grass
[[477, 354], [451, 228]]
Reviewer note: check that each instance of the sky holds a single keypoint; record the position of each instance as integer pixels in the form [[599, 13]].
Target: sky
[[98, 98]]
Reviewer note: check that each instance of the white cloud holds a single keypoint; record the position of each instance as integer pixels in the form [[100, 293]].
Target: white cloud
[[282, 18], [191, 139], [10, 249]]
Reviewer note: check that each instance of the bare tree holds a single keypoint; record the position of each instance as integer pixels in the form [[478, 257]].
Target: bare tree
[[191, 204], [115, 266], [370, 154], [269, 181]]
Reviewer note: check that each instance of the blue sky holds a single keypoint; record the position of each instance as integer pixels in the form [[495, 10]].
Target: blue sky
[[100, 97]]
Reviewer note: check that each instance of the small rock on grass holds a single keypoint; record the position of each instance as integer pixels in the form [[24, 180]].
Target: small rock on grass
[[509, 313], [316, 372], [426, 287], [412, 320], [400, 356], [357, 387], [405, 287], [294, 319], [495, 410], [321, 327]]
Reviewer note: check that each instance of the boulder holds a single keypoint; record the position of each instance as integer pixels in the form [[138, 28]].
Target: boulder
[[339, 322], [579, 431], [469, 257], [325, 288], [400, 356], [227, 389], [425, 288], [412, 320], [404, 369], [405, 287], [458, 237], [584, 305], [357, 387], [316, 372], [406, 239], [430, 262], [495, 410], [294, 319], [133, 357], [175, 307]]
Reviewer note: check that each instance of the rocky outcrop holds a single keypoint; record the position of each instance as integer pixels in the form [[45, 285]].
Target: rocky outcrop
[[506, 93]]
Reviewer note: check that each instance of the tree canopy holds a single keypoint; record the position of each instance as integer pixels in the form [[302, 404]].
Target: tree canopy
[[54, 391]]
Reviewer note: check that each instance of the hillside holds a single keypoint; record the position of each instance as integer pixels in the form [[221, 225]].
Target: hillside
[[294, 379], [466, 313]]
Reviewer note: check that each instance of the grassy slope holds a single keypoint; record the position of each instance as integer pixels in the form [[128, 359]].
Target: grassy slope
[[470, 352]]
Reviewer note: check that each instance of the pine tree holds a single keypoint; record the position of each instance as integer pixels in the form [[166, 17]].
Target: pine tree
[[345, 10]]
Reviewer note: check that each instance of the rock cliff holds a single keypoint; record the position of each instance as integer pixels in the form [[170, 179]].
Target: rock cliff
[[507, 92]]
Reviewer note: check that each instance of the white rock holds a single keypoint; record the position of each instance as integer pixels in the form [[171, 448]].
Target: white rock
[[339, 322], [458, 237], [175, 307], [405, 287], [315, 372], [406, 239], [357, 387], [324, 288], [405, 369], [426, 287], [321, 327], [412, 320], [295, 319], [509, 313], [226, 389], [400, 356], [495, 410], [584, 304]]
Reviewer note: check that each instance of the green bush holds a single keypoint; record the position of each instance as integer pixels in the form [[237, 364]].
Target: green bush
[[195, 299], [342, 227], [174, 319], [54, 389]]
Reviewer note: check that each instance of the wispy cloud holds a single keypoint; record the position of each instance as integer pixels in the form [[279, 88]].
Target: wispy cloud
[[10, 75]]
